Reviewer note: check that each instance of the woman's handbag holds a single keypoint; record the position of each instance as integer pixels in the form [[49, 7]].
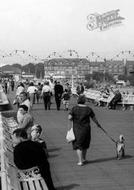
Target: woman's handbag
[[70, 135]]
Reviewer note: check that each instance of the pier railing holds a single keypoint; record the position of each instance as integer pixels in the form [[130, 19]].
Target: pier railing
[[10, 177]]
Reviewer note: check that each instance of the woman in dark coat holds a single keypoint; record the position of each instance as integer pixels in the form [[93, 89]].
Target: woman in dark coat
[[80, 115]]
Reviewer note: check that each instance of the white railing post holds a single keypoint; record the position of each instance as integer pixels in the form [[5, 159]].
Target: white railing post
[[2, 156]]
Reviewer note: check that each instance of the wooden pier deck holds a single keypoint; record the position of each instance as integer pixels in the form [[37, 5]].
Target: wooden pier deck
[[103, 171]]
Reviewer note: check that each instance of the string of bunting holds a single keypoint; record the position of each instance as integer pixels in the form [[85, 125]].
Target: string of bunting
[[21, 54], [124, 53], [70, 53]]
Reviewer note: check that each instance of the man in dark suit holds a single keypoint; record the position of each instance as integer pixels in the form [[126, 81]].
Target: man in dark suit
[[80, 89], [58, 91], [117, 98], [28, 154]]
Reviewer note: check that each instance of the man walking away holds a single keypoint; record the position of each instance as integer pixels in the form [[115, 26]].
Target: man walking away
[[46, 94], [58, 90]]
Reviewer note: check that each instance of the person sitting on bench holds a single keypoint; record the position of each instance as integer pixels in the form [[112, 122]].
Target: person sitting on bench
[[116, 99], [28, 154]]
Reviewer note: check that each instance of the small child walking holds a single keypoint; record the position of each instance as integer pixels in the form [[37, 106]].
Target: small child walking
[[66, 98], [36, 131]]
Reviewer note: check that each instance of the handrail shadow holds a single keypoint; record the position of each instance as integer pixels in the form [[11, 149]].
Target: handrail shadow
[[68, 187], [53, 149], [107, 159]]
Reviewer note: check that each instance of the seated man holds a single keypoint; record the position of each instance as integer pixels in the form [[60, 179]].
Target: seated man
[[116, 99], [28, 154]]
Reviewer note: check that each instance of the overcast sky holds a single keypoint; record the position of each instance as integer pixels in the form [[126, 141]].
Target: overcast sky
[[44, 26]]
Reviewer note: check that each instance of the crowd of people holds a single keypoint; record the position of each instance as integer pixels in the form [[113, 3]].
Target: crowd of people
[[29, 149], [8, 85], [43, 93]]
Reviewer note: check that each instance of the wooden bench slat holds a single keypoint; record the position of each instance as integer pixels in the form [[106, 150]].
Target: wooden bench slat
[[37, 185], [43, 184], [31, 185], [24, 185]]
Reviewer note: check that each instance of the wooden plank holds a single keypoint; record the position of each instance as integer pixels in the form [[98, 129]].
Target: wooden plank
[[43, 183], [31, 184], [24, 185], [37, 185]]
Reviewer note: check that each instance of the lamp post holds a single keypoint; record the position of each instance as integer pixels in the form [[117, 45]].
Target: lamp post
[[125, 66], [104, 71]]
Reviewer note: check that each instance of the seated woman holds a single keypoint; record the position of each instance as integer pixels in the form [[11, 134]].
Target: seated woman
[[27, 119], [23, 100]]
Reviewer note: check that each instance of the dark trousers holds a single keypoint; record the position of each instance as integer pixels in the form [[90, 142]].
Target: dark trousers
[[5, 89], [12, 87], [58, 101], [46, 99], [113, 103], [38, 96], [46, 174]]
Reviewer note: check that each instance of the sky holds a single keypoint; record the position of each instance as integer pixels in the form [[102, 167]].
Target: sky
[[44, 26]]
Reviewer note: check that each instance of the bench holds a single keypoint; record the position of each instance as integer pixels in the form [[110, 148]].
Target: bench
[[127, 102], [95, 96], [10, 177], [31, 179]]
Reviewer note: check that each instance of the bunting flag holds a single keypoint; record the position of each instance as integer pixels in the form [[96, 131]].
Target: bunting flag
[[24, 55], [71, 53], [54, 55], [94, 56], [123, 55]]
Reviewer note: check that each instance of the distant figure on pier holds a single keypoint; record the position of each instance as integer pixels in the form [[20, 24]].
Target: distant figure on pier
[[12, 83], [116, 99], [5, 86], [31, 90], [38, 93], [46, 94], [80, 89], [19, 90], [68, 88], [66, 99], [58, 91]]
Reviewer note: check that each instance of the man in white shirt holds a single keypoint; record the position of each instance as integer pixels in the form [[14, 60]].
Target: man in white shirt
[[46, 94], [31, 90], [20, 88]]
